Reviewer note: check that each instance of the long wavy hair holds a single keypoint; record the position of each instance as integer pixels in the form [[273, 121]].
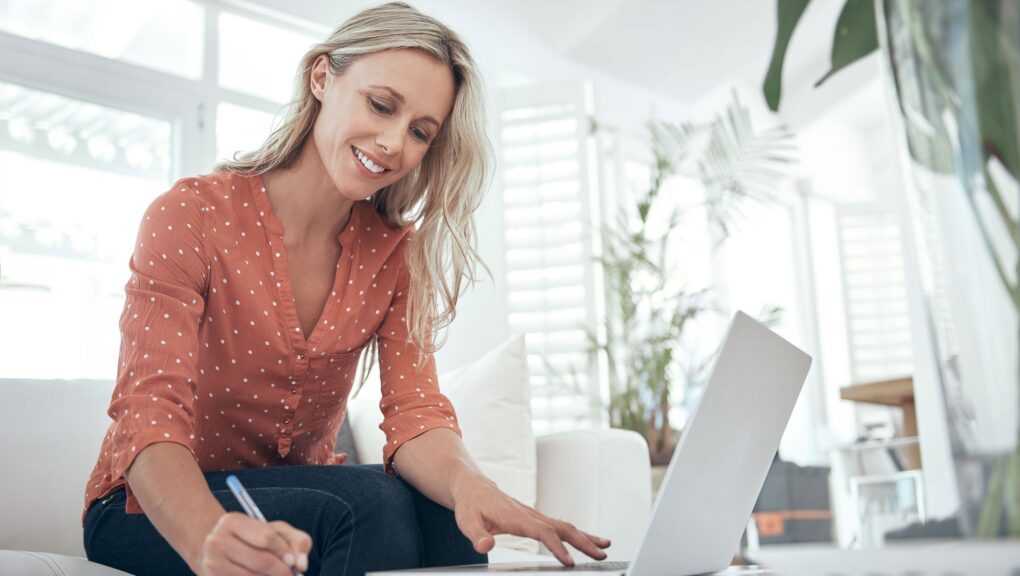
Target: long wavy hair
[[439, 196]]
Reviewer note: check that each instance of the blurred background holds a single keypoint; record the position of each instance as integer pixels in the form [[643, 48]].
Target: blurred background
[[625, 132]]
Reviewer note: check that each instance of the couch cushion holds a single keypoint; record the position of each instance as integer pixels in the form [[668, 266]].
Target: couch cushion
[[492, 398], [345, 443], [42, 564], [58, 427]]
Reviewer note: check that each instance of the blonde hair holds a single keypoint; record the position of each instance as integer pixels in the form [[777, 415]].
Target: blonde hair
[[440, 195]]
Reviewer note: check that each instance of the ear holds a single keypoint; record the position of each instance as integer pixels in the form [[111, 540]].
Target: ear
[[317, 79]]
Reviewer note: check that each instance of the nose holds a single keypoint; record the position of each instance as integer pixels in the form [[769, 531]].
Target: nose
[[391, 140]]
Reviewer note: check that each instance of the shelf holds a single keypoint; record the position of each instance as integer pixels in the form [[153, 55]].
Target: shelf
[[896, 392], [898, 442]]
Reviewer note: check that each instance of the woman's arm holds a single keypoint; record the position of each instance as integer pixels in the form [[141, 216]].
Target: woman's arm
[[438, 465], [170, 487], [153, 403]]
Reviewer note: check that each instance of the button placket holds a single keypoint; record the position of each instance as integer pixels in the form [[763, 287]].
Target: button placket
[[291, 403]]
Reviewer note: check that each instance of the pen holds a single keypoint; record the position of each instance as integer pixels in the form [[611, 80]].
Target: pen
[[249, 506]]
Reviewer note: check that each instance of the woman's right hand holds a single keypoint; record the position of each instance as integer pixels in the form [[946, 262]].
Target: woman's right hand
[[240, 545]]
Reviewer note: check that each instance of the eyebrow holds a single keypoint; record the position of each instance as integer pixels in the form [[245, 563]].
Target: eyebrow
[[400, 98]]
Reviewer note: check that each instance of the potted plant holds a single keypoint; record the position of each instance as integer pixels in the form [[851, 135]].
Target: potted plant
[[953, 69], [647, 315]]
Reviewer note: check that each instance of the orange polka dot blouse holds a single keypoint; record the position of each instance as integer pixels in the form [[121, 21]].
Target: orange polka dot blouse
[[212, 355]]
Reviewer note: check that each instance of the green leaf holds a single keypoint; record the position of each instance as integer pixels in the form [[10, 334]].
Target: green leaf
[[855, 37], [994, 59], [788, 13]]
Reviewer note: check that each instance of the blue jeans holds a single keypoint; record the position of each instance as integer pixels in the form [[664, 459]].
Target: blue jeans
[[359, 518]]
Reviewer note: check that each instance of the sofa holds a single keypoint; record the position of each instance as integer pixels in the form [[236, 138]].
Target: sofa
[[597, 479]]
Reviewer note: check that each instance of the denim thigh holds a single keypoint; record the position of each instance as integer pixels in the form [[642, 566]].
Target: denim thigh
[[360, 519]]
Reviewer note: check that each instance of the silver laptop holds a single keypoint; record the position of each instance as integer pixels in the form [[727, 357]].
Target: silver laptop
[[718, 467]]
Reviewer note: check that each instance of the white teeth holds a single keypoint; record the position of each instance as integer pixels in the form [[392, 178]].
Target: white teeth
[[372, 166]]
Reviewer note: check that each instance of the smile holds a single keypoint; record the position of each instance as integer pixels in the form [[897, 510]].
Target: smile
[[368, 163]]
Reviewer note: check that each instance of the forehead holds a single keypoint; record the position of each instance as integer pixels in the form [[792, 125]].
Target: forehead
[[425, 83]]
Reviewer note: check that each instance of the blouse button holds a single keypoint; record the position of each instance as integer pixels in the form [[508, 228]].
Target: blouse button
[[301, 356]]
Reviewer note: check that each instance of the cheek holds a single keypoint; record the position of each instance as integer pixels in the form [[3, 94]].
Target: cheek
[[330, 131], [415, 158]]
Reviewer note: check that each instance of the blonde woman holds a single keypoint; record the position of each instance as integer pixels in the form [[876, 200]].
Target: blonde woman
[[255, 290]]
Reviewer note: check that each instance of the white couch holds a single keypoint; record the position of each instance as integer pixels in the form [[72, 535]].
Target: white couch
[[51, 429]]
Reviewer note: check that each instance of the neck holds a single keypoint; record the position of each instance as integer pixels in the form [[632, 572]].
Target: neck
[[305, 200]]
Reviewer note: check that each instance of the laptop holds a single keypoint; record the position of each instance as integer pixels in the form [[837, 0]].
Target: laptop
[[717, 470]]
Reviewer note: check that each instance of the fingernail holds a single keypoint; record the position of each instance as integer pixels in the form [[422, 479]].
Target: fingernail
[[303, 562], [288, 559]]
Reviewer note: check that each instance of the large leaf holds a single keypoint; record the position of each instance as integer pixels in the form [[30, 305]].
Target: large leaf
[[920, 85], [855, 36], [788, 13], [994, 60]]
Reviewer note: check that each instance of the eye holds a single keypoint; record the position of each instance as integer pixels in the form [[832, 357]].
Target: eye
[[378, 107], [420, 135]]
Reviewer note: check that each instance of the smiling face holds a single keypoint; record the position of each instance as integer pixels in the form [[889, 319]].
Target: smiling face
[[379, 117]]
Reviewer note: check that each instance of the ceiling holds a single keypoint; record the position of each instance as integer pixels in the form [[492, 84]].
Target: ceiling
[[681, 49]]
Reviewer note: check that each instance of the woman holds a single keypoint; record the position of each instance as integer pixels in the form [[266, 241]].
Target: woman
[[254, 291]]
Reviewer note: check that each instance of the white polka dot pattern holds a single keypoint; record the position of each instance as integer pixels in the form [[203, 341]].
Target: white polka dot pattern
[[212, 354]]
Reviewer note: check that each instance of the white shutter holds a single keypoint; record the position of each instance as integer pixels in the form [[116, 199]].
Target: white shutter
[[544, 149], [878, 313]]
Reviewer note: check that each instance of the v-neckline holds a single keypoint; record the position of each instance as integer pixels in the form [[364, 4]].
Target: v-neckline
[[303, 343]]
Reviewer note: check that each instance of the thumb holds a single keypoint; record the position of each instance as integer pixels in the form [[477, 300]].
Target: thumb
[[480, 538]]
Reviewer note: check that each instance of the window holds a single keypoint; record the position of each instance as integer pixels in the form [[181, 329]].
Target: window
[[104, 106], [240, 129], [256, 66], [545, 154], [260, 58], [167, 35], [75, 178], [878, 315]]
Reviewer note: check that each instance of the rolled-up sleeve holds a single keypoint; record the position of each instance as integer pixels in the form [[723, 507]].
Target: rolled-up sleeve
[[411, 402], [155, 390]]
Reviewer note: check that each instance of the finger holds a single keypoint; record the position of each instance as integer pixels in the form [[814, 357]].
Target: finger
[[214, 561], [473, 527], [299, 541], [598, 540], [260, 535], [248, 559], [254, 560], [222, 566], [547, 534], [579, 540]]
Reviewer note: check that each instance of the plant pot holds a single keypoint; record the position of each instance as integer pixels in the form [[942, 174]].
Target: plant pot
[[954, 70]]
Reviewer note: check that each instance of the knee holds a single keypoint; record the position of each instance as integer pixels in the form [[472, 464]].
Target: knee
[[391, 522], [375, 514]]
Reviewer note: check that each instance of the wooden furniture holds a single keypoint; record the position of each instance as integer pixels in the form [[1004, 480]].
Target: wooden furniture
[[896, 392]]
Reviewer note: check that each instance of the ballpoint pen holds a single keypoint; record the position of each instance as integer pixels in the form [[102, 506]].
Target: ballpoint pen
[[249, 506]]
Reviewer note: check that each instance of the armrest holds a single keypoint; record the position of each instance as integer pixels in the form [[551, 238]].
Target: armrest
[[600, 481]]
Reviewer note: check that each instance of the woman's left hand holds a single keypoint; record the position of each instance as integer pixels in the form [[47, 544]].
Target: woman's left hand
[[482, 511]]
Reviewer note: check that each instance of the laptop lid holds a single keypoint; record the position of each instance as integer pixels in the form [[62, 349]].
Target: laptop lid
[[724, 453]]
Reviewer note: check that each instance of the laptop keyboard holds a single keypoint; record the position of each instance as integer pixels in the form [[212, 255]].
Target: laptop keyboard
[[587, 566]]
